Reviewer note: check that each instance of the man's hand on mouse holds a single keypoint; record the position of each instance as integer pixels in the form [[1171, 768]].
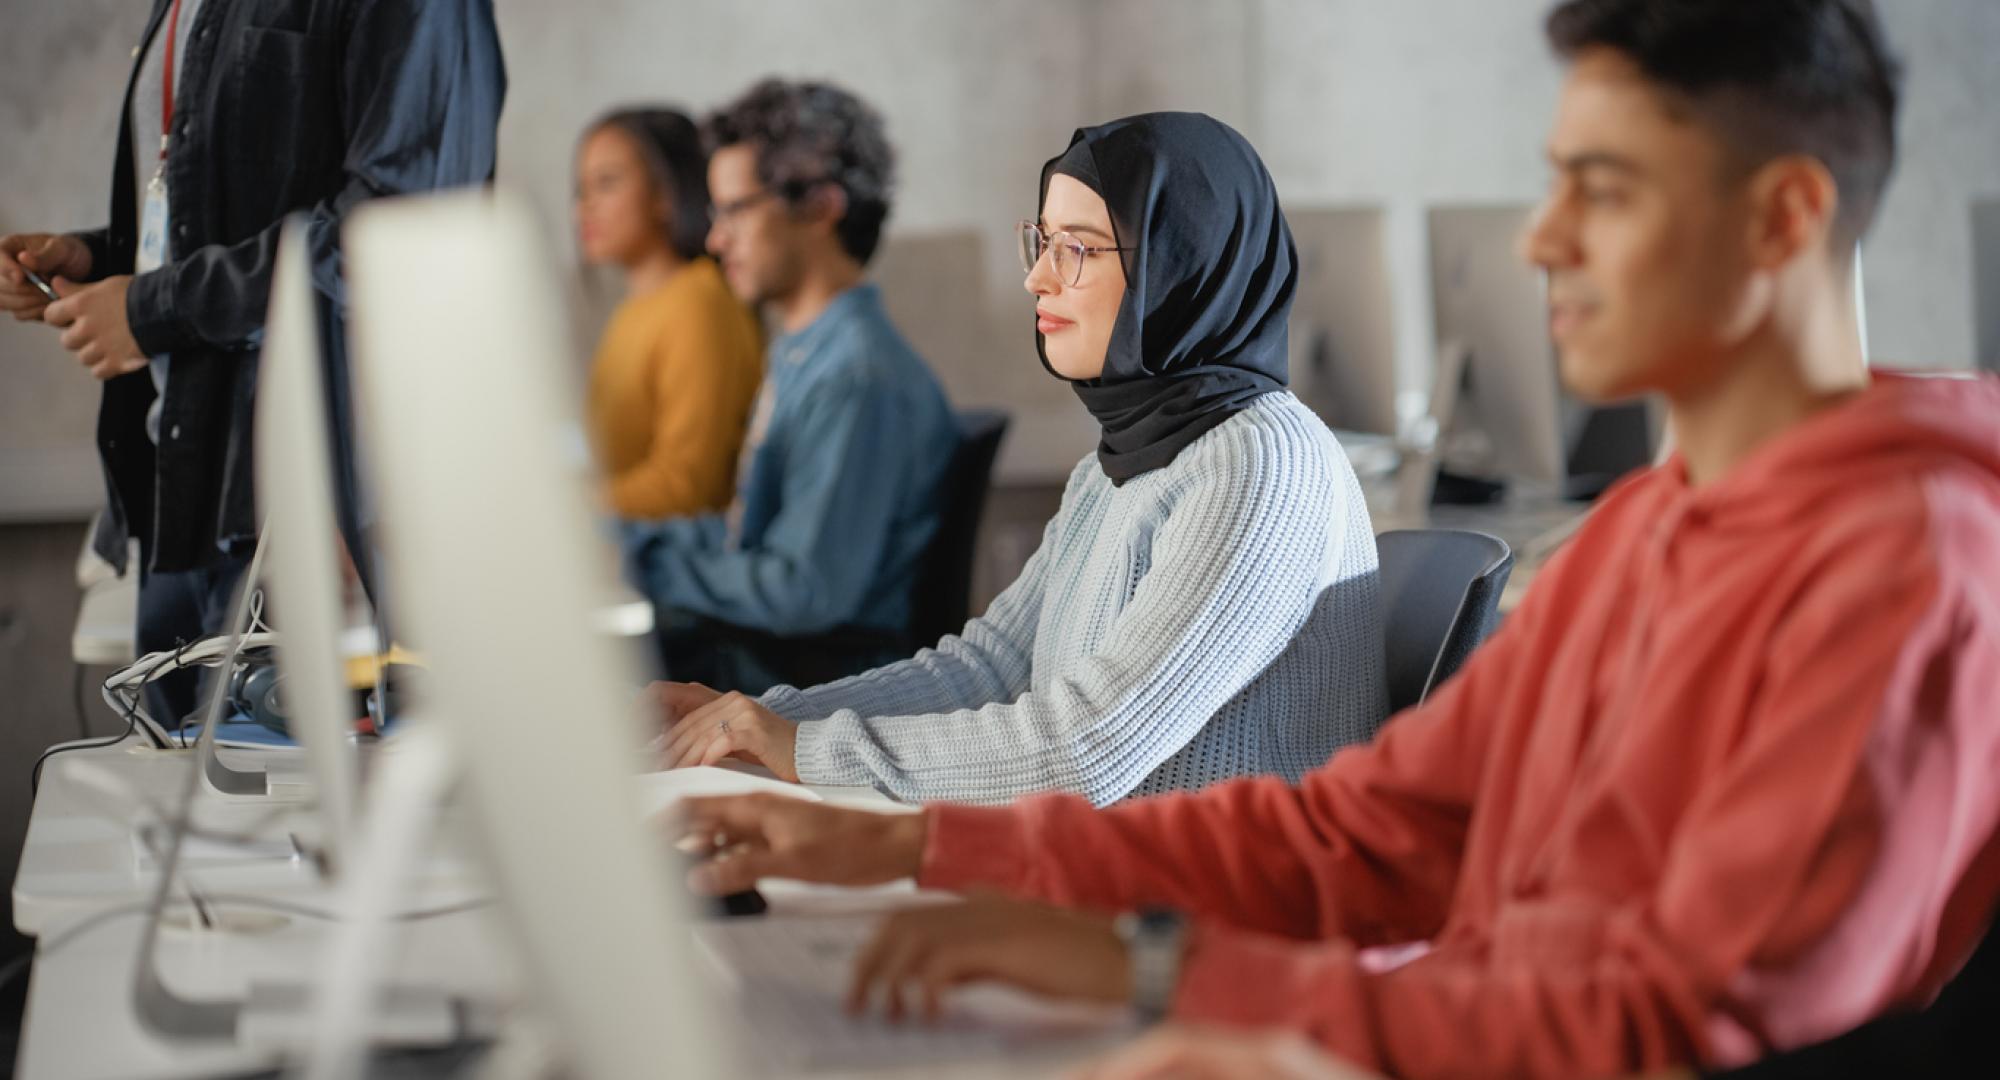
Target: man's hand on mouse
[[748, 837], [732, 725], [919, 954], [92, 319], [48, 254]]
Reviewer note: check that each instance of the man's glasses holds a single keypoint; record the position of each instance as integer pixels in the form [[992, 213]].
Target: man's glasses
[[721, 212]]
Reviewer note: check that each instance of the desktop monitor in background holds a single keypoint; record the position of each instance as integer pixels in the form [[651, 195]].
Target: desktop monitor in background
[[1507, 419], [1343, 325], [1986, 281], [296, 547], [295, 488], [491, 559]]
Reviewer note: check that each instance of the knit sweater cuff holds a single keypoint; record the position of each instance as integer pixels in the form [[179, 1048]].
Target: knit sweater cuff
[[969, 847], [786, 701], [822, 757]]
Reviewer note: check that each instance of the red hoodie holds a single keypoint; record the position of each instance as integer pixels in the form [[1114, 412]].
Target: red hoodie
[[1727, 781]]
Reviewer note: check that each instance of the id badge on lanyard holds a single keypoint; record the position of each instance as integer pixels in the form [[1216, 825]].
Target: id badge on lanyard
[[153, 224], [152, 252]]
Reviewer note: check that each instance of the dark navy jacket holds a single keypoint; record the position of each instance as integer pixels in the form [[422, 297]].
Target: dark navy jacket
[[281, 106]]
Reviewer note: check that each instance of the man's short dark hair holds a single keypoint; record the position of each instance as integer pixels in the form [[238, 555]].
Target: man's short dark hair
[[806, 134], [1770, 77]]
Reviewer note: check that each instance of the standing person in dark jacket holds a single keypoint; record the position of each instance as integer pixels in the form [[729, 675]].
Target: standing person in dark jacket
[[237, 114]]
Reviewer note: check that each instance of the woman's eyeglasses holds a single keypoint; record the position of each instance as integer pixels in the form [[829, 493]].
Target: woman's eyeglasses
[[1066, 252]]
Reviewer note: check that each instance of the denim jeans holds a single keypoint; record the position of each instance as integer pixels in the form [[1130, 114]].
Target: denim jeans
[[182, 606]]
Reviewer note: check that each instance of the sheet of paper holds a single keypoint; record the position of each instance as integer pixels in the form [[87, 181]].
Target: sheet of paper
[[659, 790]]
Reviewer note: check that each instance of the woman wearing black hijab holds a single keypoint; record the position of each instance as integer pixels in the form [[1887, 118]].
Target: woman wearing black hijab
[[1203, 604]]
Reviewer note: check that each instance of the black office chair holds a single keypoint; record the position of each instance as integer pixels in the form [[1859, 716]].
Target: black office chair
[[1440, 599], [942, 600]]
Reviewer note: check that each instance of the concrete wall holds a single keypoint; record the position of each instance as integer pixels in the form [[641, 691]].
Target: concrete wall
[[62, 71], [1986, 280], [1352, 102]]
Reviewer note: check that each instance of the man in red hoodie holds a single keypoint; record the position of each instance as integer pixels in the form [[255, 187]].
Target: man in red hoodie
[[1723, 783]]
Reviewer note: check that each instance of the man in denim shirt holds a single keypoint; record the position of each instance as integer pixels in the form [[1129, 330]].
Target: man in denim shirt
[[837, 494]]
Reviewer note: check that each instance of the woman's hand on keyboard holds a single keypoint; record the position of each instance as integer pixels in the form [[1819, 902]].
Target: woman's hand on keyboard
[[748, 837], [920, 953], [733, 726], [675, 700]]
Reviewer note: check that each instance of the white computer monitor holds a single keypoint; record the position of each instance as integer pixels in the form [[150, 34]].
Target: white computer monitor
[[1489, 304], [460, 363], [295, 488], [1510, 419], [1343, 324], [296, 545]]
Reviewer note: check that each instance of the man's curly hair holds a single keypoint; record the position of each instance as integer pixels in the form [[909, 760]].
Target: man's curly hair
[[810, 133]]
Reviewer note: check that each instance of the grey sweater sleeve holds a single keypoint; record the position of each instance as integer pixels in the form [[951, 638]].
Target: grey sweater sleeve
[[990, 660], [1235, 569]]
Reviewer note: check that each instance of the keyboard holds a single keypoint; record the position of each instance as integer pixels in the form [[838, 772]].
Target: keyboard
[[791, 975]]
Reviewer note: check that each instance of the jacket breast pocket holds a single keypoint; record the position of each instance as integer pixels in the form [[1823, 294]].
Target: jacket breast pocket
[[282, 105]]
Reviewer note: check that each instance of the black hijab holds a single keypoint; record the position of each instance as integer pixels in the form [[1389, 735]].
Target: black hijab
[[1201, 330]]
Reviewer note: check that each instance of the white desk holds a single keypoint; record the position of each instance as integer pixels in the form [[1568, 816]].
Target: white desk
[[79, 859], [79, 1025], [104, 623], [80, 1022], [79, 856]]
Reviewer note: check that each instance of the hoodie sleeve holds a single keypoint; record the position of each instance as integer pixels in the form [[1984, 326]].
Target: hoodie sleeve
[[1840, 860]]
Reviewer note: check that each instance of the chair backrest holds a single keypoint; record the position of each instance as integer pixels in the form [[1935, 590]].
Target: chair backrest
[[1440, 599], [943, 597]]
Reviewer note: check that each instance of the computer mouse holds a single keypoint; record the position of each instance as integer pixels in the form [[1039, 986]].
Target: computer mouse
[[747, 902]]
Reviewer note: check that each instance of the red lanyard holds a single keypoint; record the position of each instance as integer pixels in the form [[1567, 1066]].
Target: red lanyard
[[167, 79]]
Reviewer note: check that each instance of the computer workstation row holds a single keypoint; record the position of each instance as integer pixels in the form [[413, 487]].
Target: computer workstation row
[[501, 860], [488, 879]]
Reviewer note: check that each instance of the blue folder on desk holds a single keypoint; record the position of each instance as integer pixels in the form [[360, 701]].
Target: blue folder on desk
[[241, 732]]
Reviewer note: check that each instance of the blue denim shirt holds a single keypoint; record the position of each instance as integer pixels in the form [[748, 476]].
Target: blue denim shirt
[[839, 502]]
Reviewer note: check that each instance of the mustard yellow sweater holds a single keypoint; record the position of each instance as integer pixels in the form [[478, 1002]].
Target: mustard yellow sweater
[[670, 394]]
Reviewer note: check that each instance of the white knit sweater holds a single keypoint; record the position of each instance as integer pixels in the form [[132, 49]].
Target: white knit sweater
[[1209, 619]]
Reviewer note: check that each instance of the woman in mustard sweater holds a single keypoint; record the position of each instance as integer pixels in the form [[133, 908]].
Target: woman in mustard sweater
[[678, 365]]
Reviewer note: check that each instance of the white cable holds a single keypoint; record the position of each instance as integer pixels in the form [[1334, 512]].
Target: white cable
[[50, 943], [208, 652]]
